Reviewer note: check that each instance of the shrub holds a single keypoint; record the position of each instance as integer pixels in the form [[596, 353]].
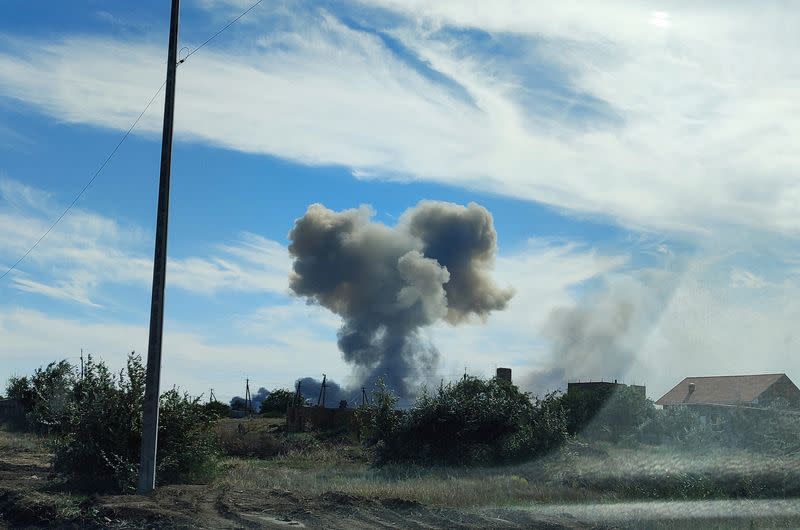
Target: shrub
[[217, 409], [100, 444], [680, 426], [473, 421], [187, 446], [97, 421], [608, 414], [18, 388], [378, 421], [47, 397], [278, 401]]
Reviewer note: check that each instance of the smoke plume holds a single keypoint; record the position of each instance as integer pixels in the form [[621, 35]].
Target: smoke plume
[[602, 337], [238, 402], [387, 283], [310, 389]]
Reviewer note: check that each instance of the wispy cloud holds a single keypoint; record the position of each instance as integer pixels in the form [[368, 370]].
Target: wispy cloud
[[702, 110], [747, 279], [88, 251], [64, 291]]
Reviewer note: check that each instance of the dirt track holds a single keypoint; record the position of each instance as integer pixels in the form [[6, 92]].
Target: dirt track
[[198, 506], [27, 499]]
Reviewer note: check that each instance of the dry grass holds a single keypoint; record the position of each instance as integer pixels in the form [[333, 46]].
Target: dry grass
[[347, 470], [601, 475], [20, 442], [258, 437]]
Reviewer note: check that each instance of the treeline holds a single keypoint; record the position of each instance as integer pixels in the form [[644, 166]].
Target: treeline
[[94, 420], [484, 422]]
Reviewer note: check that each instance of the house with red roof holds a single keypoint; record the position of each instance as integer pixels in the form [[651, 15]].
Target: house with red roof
[[752, 391]]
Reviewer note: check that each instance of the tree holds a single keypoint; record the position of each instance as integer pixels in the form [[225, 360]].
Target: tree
[[278, 401], [218, 409], [473, 421]]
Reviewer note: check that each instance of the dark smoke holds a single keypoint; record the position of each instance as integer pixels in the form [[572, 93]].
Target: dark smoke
[[238, 402], [389, 283], [334, 393]]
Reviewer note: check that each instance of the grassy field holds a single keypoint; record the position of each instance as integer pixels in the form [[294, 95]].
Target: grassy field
[[576, 473], [270, 478]]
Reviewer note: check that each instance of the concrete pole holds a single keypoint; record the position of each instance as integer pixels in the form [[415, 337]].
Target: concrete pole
[[147, 466]]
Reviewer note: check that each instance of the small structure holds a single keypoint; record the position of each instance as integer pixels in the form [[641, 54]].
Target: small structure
[[601, 389], [504, 374], [10, 410], [757, 391]]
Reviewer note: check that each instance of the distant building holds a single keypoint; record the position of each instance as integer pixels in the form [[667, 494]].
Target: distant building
[[733, 390], [504, 374], [10, 410], [601, 389]]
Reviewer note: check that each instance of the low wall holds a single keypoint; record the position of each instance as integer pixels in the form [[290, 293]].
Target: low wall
[[10, 409], [302, 418]]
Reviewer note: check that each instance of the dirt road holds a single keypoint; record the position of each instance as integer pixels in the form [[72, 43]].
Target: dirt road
[[28, 498]]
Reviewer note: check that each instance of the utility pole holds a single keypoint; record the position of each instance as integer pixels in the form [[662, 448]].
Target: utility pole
[[211, 397], [297, 396], [147, 466], [321, 397], [248, 402]]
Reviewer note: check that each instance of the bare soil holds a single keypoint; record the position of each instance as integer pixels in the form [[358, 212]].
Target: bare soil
[[31, 498]]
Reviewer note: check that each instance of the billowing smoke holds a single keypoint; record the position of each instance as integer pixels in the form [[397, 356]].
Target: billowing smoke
[[602, 337], [310, 388], [238, 402], [388, 283]]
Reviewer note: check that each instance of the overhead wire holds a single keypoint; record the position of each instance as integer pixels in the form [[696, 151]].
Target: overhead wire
[[88, 184], [225, 27], [121, 141]]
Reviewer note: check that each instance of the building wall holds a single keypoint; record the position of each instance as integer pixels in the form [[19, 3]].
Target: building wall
[[300, 418], [782, 389], [10, 410], [602, 388]]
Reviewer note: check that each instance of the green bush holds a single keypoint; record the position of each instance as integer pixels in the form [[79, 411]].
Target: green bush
[[217, 409], [47, 397], [97, 420], [100, 440], [610, 414], [378, 421], [187, 446], [473, 421], [278, 401]]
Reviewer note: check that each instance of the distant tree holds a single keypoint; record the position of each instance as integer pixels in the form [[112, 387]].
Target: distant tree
[[19, 388], [217, 409], [46, 397], [278, 401]]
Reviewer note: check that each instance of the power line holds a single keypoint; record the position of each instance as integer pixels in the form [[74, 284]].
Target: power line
[[215, 35], [121, 141], [91, 180]]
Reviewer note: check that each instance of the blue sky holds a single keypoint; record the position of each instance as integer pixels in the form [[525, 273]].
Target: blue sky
[[632, 156]]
